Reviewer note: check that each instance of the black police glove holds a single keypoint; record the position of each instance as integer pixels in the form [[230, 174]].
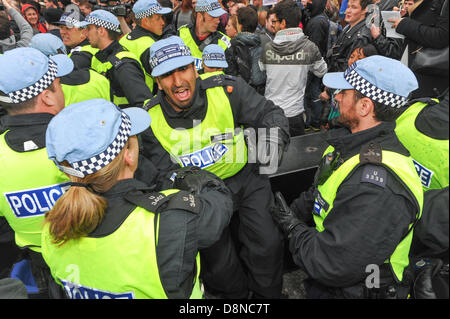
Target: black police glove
[[195, 180], [267, 146], [284, 216]]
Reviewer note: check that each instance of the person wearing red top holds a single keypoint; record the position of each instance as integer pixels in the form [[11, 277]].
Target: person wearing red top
[[31, 14]]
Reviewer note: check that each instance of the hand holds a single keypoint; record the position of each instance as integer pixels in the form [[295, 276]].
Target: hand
[[283, 215], [395, 22], [194, 180], [375, 31], [271, 148], [324, 96]]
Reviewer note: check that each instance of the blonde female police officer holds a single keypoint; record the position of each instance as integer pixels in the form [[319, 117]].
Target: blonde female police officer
[[107, 237]]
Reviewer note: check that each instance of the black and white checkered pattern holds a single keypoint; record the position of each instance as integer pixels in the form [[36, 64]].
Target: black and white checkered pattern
[[148, 13], [35, 89], [102, 23], [371, 91], [209, 7], [94, 164]]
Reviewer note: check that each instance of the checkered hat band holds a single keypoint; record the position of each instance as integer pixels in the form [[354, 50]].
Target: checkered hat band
[[102, 23], [69, 20], [149, 12], [209, 7], [371, 91], [214, 56], [96, 163], [169, 52], [30, 92]]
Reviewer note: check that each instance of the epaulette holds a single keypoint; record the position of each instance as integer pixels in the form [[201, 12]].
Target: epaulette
[[155, 100], [374, 171], [157, 202], [218, 80], [370, 153]]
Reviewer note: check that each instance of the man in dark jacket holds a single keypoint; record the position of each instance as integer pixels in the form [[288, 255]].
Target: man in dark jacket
[[366, 197], [426, 27], [246, 47], [198, 123], [317, 30], [356, 34]]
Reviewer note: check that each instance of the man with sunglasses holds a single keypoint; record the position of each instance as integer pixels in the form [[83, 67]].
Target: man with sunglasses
[[352, 231]]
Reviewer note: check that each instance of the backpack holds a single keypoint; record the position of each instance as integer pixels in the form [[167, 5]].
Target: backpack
[[334, 30], [247, 63]]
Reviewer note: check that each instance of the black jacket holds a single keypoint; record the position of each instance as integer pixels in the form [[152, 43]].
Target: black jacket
[[181, 232], [358, 36], [81, 59], [426, 28], [366, 223], [316, 25], [249, 109], [127, 78]]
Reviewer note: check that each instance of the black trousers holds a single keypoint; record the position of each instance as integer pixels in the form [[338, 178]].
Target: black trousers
[[249, 258]]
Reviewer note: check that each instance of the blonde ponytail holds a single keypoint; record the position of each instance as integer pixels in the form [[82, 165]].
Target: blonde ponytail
[[81, 209]]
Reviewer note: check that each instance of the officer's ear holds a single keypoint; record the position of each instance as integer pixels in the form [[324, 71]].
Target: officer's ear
[[365, 107], [159, 83]]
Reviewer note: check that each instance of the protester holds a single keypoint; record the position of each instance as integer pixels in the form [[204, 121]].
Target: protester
[[287, 60], [52, 17], [246, 48], [231, 28], [183, 14], [31, 14], [426, 26], [7, 39]]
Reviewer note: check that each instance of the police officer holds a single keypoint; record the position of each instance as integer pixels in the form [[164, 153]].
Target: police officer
[[213, 60], [79, 85], [148, 30], [110, 226], [30, 92], [203, 31], [423, 129], [121, 67], [366, 196], [198, 123], [76, 40]]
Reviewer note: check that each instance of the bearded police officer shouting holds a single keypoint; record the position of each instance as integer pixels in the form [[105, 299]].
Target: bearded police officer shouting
[[198, 123], [30, 183], [366, 196]]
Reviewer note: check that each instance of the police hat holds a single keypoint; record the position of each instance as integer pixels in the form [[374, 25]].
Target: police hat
[[147, 8], [26, 72], [90, 134], [168, 55], [384, 80]]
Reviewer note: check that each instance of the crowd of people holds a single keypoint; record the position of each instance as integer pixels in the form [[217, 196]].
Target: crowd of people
[[139, 136]]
